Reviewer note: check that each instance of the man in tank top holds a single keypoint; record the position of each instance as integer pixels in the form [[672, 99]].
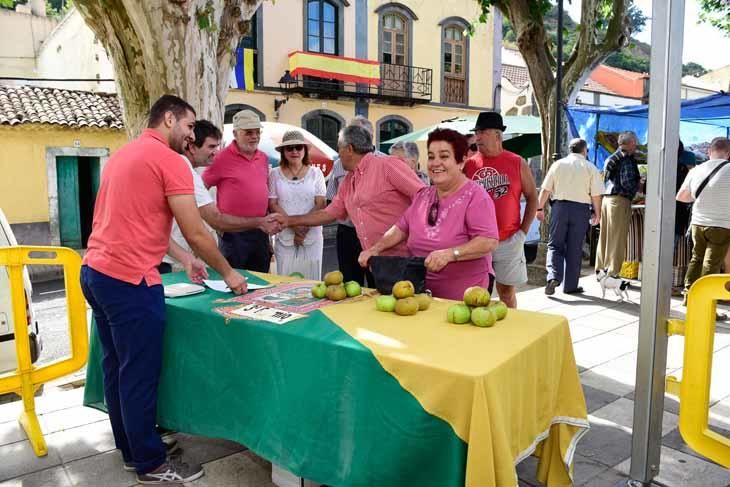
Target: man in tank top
[[507, 178]]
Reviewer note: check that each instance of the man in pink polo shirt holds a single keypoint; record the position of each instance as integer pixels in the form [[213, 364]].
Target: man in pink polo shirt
[[374, 195], [241, 174], [144, 184]]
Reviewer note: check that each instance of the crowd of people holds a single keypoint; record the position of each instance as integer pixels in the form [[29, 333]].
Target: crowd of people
[[463, 216]]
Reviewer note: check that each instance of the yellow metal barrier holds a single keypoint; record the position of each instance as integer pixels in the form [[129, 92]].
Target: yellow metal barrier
[[694, 388], [27, 378]]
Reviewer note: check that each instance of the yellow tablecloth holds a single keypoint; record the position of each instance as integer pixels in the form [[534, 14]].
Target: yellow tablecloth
[[507, 391]]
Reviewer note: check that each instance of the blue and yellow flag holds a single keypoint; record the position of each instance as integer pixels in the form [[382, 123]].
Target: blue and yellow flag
[[242, 73]]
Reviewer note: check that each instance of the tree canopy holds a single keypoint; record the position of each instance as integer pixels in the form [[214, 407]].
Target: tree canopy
[[717, 14]]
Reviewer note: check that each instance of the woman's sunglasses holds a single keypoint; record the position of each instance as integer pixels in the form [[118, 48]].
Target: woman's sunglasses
[[299, 147], [433, 213], [473, 147]]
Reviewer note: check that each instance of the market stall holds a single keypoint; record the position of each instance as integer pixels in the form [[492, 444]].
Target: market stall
[[350, 396], [701, 120]]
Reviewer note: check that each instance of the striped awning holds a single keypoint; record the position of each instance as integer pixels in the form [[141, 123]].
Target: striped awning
[[334, 67]]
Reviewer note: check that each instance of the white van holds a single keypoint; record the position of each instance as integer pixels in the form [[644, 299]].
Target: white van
[[8, 360]]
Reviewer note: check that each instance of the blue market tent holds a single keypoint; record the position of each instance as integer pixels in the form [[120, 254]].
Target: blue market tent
[[701, 120]]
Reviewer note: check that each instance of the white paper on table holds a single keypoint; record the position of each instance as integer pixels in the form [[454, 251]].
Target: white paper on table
[[261, 312], [182, 289], [221, 286], [217, 285]]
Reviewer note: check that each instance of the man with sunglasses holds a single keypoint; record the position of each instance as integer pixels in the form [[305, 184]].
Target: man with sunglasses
[[240, 172], [472, 149], [507, 178]]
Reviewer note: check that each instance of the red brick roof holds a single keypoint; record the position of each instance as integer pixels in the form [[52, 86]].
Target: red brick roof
[[31, 104], [517, 75], [593, 85]]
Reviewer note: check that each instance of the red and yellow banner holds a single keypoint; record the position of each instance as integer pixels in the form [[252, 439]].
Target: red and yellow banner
[[334, 67]]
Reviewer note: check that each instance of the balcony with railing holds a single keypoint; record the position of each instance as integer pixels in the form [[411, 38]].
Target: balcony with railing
[[323, 76]]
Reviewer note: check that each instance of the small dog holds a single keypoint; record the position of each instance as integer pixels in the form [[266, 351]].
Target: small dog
[[618, 285]]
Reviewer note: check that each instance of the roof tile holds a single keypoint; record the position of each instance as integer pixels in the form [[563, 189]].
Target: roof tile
[[32, 104]]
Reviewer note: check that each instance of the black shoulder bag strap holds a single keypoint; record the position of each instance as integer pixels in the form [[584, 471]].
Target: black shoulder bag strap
[[699, 191], [709, 177]]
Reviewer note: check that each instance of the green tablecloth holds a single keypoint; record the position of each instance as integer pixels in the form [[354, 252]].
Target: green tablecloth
[[306, 396]]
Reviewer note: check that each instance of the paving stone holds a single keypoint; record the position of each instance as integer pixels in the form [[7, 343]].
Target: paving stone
[[579, 309], [58, 400], [11, 432], [527, 470], [83, 441], [616, 376], [719, 385], [606, 443], [596, 398], [720, 413], [602, 349], [679, 470], [605, 383], [608, 478], [629, 330], [674, 440], [10, 411], [70, 418], [19, 459], [580, 332], [52, 477], [671, 403], [200, 449], [100, 470], [621, 412], [586, 469], [234, 471]]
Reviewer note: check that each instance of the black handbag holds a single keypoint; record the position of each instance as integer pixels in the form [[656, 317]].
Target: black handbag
[[699, 191], [387, 270]]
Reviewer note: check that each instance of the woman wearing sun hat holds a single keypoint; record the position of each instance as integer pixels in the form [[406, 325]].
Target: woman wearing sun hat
[[296, 188]]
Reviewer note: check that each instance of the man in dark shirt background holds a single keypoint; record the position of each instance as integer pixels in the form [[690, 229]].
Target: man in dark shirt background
[[621, 177]]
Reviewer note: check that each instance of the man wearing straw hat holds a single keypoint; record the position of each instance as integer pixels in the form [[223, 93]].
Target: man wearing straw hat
[[240, 172]]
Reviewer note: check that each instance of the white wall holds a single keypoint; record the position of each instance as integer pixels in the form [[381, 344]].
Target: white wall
[[72, 51], [604, 100], [22, 37]]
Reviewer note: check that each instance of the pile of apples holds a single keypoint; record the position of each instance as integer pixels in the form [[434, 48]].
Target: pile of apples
[[333, 289], [477, 308], [404, 301]]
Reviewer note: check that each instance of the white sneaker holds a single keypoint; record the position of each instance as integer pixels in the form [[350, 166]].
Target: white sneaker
[[172, 472]]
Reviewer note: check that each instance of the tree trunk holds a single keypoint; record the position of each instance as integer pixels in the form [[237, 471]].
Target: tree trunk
[[591, 48], [179, 47]]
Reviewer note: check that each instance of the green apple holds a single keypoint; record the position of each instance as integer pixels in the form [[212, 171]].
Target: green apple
[[353, 289], [483, 317], [458, 313], [385, 303], [476, 296], [499, 308], [319, 290]]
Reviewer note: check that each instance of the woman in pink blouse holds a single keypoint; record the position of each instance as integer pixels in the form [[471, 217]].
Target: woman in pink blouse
[[452, 223]]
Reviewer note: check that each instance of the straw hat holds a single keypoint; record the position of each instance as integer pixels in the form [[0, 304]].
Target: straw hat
[[292, 137]]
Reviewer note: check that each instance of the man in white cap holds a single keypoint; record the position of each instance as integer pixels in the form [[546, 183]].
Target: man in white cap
[[241, 172], [199, 154]]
